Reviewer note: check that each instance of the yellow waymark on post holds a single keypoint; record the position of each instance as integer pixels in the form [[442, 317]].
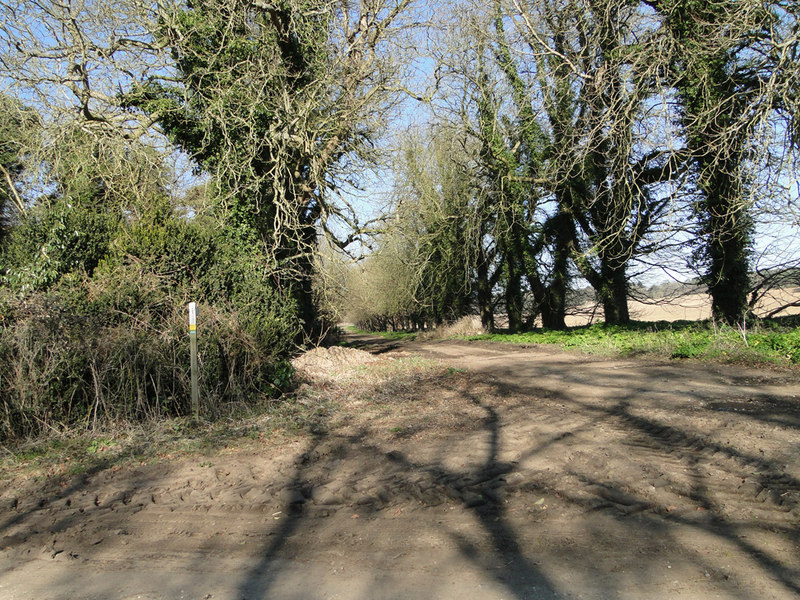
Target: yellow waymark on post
[[193, 359]]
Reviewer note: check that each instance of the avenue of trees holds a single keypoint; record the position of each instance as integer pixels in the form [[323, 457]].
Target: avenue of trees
[[594, 140], [156, 152]]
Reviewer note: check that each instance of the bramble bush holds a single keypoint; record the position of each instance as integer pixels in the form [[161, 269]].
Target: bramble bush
[[97, 333], [114, 348]]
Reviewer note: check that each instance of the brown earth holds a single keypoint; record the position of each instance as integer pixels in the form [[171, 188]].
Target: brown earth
[[534, 473]]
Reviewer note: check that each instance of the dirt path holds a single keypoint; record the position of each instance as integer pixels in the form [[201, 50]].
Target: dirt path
[[535, 474]]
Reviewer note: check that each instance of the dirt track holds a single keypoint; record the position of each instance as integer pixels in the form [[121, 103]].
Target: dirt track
[[536, 474]]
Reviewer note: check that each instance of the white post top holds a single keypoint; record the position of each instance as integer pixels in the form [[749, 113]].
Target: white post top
[[192, 316]]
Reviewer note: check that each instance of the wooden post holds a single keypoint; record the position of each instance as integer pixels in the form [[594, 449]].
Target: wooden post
[[193, 352]]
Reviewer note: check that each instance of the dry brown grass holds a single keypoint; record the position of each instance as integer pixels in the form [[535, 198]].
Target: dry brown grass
[[465, 326], [401, 396], [330, 364]]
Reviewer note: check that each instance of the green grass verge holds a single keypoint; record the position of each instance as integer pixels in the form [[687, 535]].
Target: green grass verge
[[768, 342]]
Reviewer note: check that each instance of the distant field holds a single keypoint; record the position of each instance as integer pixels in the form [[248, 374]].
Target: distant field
[[694, 307], [689, 307]]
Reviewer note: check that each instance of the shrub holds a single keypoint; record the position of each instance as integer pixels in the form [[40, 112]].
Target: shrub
[[115, 347], [184, 255], [784, 343], [93, 317], [55, 240]]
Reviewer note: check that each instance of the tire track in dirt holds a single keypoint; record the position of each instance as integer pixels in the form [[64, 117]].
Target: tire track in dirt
[[750, 479], [700, 465]]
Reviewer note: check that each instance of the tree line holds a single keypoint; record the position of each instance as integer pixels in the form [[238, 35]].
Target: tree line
[[587, 141]]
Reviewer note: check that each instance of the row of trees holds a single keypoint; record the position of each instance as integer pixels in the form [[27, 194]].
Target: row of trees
[[577, 133], [276, 104], [589, 140]]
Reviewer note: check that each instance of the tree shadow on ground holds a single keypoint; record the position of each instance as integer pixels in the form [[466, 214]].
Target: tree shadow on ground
[[501, 553], [524, 443], [766, 484], [504, 560]]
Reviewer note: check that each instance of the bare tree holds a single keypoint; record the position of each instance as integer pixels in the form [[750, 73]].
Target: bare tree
[[69, 61]]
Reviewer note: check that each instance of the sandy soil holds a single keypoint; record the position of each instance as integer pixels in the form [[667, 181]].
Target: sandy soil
[[533, 474]]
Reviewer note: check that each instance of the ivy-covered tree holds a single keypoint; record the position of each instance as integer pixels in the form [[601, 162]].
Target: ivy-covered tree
[[439, 214], [596, 81], [734, 66], [535, 236], [269, 98]]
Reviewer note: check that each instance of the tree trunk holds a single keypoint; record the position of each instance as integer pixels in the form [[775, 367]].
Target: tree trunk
[[302, 284], [728, 249], [554, 310], [484, 292], [513, 293], [613, 294], [514, 302]]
